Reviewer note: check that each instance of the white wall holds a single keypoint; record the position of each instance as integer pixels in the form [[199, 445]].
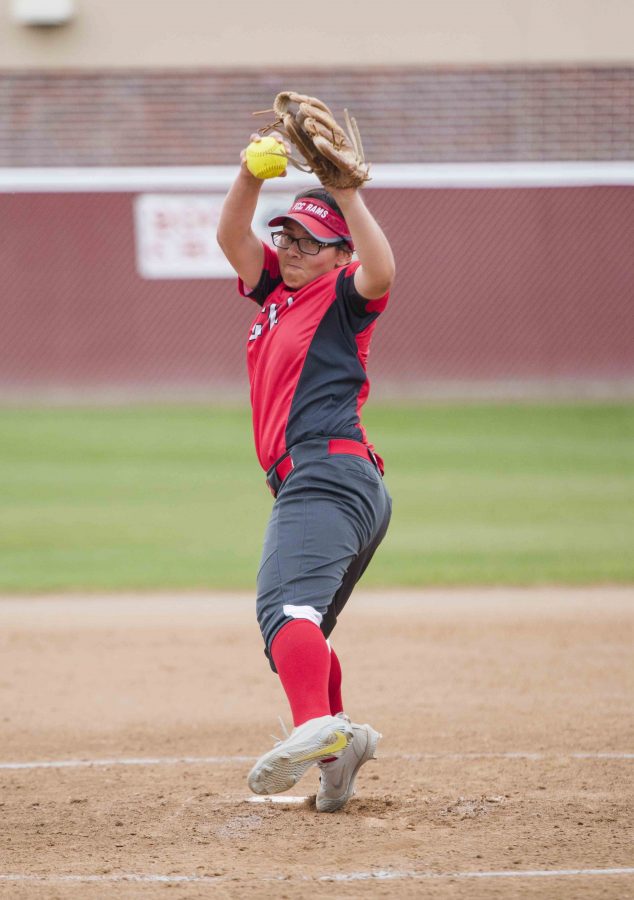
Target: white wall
[[145, 33]]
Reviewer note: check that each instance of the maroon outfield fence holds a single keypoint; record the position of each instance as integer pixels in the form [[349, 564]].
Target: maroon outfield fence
[[501, 289]]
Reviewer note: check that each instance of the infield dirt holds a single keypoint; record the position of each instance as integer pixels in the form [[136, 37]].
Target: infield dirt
[[508, 747]]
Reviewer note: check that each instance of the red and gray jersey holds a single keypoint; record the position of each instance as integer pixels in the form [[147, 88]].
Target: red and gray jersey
[[307, 354]]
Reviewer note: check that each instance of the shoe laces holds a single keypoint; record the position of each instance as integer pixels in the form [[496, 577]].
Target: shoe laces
[[285, 732]]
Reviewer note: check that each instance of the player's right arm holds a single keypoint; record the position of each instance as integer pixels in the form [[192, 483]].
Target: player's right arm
[[237, 240]]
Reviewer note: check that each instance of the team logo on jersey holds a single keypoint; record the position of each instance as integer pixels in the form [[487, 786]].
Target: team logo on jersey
[[271, 313]]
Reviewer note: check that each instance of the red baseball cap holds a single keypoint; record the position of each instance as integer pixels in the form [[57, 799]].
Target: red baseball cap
[[319, 220]]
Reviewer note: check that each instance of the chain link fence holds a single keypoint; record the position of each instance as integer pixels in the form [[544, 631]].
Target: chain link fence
[[499, 290]]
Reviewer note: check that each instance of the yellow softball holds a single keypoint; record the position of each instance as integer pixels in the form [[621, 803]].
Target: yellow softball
[[266, 158]]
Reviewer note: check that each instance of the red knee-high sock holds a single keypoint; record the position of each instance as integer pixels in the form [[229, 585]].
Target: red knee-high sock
[[334, 684], [302, 659]]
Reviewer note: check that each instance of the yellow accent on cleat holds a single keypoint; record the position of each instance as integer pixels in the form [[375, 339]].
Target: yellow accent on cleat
[[340, 744]]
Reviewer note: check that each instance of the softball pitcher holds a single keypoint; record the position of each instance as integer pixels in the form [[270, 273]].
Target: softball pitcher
[[306, 354]]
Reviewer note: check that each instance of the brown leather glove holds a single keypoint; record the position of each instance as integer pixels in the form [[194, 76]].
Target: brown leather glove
[[334, 155]]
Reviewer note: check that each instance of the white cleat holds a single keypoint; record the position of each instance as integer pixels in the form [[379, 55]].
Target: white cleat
[[283, 766], [337, 777]]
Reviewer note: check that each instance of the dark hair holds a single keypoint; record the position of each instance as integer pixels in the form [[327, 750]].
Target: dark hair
[[322, 194]]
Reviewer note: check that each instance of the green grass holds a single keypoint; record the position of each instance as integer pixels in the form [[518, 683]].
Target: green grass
[[174, 498]]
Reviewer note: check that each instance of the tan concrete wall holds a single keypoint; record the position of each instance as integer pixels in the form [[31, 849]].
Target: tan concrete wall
[[146, 33]]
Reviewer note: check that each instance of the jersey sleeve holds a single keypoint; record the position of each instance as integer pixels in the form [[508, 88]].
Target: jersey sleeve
[[269, 278], [361, 311]]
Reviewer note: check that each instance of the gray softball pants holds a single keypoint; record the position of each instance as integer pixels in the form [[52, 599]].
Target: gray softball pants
[[330, 515]]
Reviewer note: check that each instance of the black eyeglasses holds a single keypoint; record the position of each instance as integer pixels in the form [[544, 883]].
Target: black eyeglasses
[[305, 245]]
